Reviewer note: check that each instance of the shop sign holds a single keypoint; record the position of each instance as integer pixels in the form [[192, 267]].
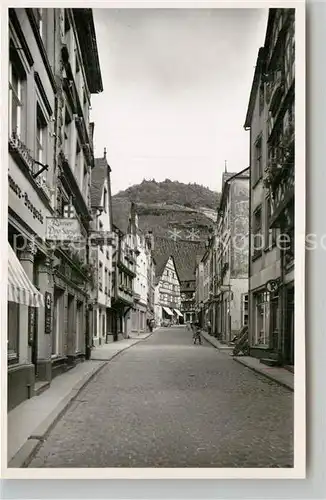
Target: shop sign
[[101, 238], [25, 202], [48, 313], [31, 325], [61, 229]]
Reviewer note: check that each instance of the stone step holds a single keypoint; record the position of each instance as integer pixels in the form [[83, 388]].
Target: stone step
[[40, 387], [269, 361]]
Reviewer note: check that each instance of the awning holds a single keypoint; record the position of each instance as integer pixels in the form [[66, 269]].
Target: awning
[[20, 288], [178, 312], [168, 311]]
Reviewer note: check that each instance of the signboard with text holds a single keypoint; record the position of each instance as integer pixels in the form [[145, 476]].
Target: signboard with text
[[101, 238], [48, 313], [61, 229]]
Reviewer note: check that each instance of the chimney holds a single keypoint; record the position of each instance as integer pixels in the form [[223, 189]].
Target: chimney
[[104, 155]]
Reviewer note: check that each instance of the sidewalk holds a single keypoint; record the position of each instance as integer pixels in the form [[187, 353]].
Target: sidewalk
[[30, 422], [275, 373], [216, 343]]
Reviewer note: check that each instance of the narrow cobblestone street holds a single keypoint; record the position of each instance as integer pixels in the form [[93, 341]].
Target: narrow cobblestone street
[[168, 403]]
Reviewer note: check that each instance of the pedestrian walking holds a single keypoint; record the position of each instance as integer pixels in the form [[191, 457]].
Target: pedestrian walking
[[209, 327]]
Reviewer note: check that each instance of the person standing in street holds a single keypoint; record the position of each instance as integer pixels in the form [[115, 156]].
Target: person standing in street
[[197, 334]]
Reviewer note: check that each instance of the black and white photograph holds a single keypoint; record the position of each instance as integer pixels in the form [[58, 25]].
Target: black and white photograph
[[155, 281]]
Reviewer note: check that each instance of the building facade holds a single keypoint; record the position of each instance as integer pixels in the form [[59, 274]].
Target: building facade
[[101, 254], [124, 273], [168, 295], [270, 119], [188, 300], [199, 293], [77, 78], [53, 69], [230, 283]]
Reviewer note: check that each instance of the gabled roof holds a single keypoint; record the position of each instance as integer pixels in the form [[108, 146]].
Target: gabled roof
[[160, 267], [242, 174], [98, 176], [260, 68], [88, 45], [184, 253]]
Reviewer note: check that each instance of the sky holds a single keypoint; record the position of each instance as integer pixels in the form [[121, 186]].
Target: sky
[[176, 91]]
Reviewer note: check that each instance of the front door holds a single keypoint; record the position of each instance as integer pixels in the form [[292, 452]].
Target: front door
[[289, 328]]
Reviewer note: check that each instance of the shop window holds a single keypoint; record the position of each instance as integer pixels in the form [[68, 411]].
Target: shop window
[[58, 308], [13, 332], [79, 325], [261, 316]]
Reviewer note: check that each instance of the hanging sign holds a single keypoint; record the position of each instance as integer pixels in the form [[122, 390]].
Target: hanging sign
[[62, 229]]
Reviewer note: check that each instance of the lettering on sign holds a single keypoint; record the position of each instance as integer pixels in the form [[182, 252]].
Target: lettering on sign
[[62, 229], [31, 325], [37, 214]]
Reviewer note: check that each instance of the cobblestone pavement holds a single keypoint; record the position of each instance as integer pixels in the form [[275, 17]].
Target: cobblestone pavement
[[168, 403]]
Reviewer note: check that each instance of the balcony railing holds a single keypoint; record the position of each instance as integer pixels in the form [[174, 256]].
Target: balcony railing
[[282, 195], [17, 147]]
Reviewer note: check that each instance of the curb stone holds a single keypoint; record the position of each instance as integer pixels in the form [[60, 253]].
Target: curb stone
[[264, 373], [28, 450], [221, 349], [253, 368]]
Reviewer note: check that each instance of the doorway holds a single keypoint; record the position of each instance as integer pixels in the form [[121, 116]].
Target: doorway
[[289, 328], [57, 321]]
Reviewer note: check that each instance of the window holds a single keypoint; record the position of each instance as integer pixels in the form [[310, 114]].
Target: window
[[67, 134], [106, 280], [67, 23], [38, 13], [85, 183], [245, 309], [15, 100], [270, 233], [41, 137], [261, 312], [257, 232], [105, 200], [77, 160], [289, 56], [101, 229], [13, 332], [100, 276], [258, 165]]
